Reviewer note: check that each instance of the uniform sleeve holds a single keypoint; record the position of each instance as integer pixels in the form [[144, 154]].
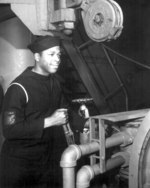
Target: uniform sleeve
[[15, 124]]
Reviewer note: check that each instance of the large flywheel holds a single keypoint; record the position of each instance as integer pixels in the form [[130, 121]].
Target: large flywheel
[[139, 167], [103, 19]]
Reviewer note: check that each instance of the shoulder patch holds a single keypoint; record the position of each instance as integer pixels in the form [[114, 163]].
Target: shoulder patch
[[9, 117]]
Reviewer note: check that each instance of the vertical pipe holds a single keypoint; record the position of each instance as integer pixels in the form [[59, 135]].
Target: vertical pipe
[[69, 182]]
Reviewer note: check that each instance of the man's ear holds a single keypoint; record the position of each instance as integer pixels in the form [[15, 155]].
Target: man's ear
[[37, 56]]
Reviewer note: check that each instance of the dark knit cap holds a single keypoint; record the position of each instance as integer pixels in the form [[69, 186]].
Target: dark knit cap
[[43, 43]]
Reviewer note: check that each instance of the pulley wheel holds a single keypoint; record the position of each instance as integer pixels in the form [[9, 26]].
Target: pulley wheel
[[102, 20], [139, 166]]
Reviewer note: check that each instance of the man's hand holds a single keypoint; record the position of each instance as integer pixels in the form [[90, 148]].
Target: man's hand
[[59, 117]]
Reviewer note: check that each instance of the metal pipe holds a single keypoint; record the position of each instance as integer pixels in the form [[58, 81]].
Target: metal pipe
[[69, 177], [87, 173], [121, 138], [74, 152], [69, 159], [68, 162]]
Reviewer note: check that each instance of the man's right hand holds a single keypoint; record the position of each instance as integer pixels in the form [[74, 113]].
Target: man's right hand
[[59, 117]]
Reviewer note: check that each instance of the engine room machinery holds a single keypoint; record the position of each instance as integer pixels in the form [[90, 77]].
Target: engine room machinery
[[102, 19], [116, 141]]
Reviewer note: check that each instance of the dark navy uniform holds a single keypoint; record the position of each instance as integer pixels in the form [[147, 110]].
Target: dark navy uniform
[[30, 154]]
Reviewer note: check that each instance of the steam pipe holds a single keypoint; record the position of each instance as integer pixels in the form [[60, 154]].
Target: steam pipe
[[68, 162], [69, 159], [121, 138], [74, 152], [87, 173]]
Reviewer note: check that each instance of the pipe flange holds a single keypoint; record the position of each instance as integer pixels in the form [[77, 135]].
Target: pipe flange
[[66, 165], [70, 156], [85, 175]]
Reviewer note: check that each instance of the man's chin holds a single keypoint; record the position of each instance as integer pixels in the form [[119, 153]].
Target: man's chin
[[53, 71]]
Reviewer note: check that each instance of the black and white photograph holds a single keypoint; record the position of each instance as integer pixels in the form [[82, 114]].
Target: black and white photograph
[[74, 94]]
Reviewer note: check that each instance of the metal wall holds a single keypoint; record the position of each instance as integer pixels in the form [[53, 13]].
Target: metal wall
[[14, 56]]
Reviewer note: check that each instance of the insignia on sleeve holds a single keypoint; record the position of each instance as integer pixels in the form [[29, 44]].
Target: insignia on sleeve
[[9, 118]]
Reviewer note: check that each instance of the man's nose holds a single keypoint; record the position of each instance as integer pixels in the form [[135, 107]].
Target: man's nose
[[57, 58]]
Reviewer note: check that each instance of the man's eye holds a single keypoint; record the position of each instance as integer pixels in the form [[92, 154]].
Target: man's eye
[[51, 54]]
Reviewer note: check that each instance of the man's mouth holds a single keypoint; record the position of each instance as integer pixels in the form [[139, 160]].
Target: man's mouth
[[54, 66]]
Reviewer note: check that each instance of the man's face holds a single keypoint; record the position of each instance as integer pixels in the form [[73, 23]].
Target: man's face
[[49, 60]]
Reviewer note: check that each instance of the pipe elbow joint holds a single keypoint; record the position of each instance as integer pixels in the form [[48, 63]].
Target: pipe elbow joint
[[70, 156], [127, 139], [84, 176]]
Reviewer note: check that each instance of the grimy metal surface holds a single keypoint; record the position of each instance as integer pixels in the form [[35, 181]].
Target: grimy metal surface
[[85, 75], [142, 139]]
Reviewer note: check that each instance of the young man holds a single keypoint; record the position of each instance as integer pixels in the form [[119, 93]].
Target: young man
[[33, 116]]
